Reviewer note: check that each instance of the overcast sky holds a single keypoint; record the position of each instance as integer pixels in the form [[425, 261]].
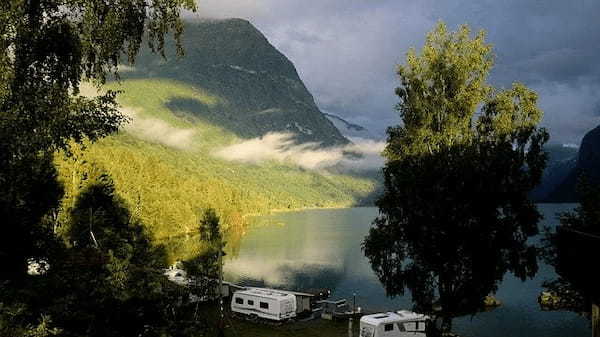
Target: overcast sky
[[346, 51]]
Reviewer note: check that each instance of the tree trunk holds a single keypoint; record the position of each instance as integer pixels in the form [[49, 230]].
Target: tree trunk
[[446, 302], [446, 324], [595, 320]]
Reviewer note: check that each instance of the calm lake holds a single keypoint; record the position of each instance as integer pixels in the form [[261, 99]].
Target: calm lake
[[317, 249]]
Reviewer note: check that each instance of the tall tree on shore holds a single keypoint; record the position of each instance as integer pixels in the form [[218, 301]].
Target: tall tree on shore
[[205, 268], [47, 48], [455, 214]]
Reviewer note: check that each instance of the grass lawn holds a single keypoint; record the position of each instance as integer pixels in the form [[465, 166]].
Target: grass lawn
[[316, 328], [237, 327]]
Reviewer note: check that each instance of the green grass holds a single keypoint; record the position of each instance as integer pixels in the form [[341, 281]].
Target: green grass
[[237, 327], [168, 186], [316, 328]]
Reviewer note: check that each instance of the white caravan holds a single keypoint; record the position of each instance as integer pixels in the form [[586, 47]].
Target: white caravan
[[264, 303], [394, 324], [177, 275]]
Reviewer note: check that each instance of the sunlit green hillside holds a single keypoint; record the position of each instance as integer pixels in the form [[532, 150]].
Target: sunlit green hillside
[[163, 165]]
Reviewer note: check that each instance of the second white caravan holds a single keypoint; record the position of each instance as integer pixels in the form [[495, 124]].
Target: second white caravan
[[265, 303], [394, 324]]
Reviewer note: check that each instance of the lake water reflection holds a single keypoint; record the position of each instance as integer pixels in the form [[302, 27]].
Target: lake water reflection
[[317, 249]]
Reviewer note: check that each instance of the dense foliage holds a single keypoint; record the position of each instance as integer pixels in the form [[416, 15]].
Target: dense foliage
[[455, 214], [92, 269], [577, 282], [104, 280], [205, 266], [48, 48]]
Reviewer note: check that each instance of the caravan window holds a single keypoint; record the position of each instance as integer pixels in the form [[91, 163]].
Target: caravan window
[[410, 326], [401, 327], [239, 300], [264, 305], [250, 302], [388, 327]]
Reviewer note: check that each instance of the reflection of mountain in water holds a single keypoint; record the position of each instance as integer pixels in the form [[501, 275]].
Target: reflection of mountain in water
[[290, 275], [185, 247], [309, 252]]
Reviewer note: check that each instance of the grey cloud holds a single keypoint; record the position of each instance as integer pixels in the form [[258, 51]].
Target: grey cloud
[[596, 110], [557, 65], [569, 108]]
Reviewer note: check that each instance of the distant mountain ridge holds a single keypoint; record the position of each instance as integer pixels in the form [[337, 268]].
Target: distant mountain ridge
[[588, 163], [259, 88], [561, 160], [348, 129]]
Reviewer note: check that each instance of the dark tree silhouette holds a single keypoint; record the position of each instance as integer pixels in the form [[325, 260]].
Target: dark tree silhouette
[[455, 214], [47, 48], [572, 250], [30, 190], [107, 281], [204, 267]]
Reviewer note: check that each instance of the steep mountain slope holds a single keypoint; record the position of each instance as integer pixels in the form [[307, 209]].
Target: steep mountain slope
[[259, 86], [227, 89], [588, 163], [561, 160], [589, 155]]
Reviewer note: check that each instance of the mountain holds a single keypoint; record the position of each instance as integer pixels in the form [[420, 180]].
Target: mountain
[[348, 129], [230, 89], [589, 155], [561, 160], [259, 87], [588, 163]]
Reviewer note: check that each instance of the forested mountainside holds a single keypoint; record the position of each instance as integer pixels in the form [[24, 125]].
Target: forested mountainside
[[230, 87]]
